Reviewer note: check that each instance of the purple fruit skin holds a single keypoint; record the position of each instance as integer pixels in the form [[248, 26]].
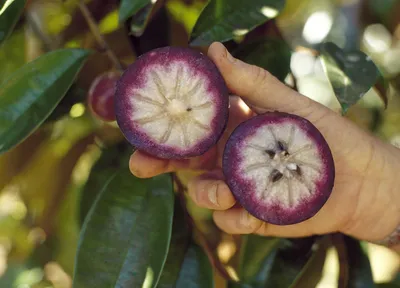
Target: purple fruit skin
[[275, 214], [134, 77]]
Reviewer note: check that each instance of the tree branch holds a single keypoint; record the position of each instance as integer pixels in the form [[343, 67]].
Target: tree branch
[[97, 35]]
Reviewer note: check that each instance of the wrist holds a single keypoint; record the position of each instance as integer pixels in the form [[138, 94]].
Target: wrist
[[377, 211], [389, 222]]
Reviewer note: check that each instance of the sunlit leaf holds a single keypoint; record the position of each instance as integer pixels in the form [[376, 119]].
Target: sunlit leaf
[[30, 95], [12, 54], [10, 11], [126, 234], [222, 20], [128, 8], [351, 74], [271, 54], [111, 159], [196, 271]]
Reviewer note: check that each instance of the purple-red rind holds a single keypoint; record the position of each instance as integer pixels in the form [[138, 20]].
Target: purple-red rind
[[242, 188], [134, 77], [101, 85]]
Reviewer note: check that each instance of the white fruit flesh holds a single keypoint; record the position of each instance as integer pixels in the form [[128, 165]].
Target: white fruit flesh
[[174, 107], [283, 176]]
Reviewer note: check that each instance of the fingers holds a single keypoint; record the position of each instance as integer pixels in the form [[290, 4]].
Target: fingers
[[239, 221], [257, 86], [143, 165], [210, 191]]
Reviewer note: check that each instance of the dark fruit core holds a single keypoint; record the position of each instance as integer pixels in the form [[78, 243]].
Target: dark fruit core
[[279, 167]]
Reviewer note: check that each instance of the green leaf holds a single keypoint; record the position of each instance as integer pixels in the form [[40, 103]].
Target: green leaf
[[125, 237], [140, 20], [254, 251], [351, 74], [29, 95], [360, 273], [279, 265], [271, 54], [111, 159], [128, 8], [10, 12], [312, 272], [180, 239], [290, 260], [222, 20], [196, 271]]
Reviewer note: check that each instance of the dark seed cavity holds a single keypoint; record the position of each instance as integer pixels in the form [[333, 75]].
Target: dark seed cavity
[[276, 175], [283, 147], [298, 171], [270, 153]]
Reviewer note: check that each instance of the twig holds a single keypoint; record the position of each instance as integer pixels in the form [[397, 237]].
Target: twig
[[48, 43], [202, 238], [338, 243], [97, 35]]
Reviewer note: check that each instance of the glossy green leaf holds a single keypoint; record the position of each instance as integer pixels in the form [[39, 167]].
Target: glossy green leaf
[[255, 249], [140, 20], [312, 272], [271, 54], [126, 234], [180, 239], [290, 261], [222, 20], [196, 271], [351, 74], [111, 159], [30, 95], [360, 273], [10, 12], [282, 266], [129, 8]]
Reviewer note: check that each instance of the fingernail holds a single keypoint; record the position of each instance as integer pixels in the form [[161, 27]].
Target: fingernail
[[246, 220], [212, 194]]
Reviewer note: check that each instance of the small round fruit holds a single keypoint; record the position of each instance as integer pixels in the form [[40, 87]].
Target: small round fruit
[[172, 103], [101, 96], [279, 168]]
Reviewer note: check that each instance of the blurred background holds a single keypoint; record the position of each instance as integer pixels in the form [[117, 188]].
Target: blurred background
[[42, 179]]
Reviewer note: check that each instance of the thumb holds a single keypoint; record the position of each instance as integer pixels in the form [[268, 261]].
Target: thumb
[[258, 87]]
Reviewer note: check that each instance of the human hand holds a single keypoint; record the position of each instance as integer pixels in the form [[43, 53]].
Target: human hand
[[363, 204]]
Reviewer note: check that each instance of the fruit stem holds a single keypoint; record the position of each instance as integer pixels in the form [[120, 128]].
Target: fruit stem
[[340, 246], [97, 35]]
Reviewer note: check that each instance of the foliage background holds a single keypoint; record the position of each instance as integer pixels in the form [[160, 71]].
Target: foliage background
[[50, 180]]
